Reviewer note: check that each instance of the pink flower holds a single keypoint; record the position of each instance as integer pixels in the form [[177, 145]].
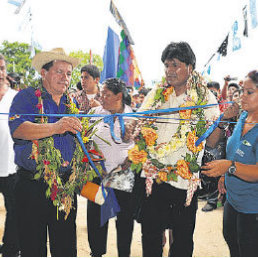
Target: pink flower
[[46, 162], [39, 106], [65, 163], [38, 93]]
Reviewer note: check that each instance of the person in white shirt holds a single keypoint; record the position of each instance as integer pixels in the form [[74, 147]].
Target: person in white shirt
[[114, 99], [10, 245]]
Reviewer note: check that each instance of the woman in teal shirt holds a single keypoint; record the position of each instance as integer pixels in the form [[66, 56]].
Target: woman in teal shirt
[[240, 219]]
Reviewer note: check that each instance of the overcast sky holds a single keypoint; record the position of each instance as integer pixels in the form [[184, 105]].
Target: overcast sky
[[82, 24]]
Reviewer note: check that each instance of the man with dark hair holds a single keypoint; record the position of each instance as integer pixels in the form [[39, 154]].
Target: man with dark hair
[[89, 96], [36, 213], [171, 181], [8, 174]]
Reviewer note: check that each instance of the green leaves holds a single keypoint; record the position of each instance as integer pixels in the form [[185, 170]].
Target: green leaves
[[136, 167]]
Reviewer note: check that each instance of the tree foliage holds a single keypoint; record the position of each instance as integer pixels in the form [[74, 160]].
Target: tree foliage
[[18, 58], [85, 59]]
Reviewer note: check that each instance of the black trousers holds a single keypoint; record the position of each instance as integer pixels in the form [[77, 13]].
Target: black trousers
[[164, 208], [10, 236], [97, 235], [240, 231], [37, 215]]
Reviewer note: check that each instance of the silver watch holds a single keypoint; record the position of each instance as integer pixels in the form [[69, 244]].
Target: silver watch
[[232, 168]]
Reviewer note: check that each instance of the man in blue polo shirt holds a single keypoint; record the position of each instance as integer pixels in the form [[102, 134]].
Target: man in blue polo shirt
[[37, 214]]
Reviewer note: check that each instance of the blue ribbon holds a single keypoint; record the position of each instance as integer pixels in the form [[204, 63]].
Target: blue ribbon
[[209, 131], [110, 208]]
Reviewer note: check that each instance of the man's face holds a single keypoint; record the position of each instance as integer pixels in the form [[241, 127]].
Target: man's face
[[58, 78], [89, 84], [230, 92], [141, 98], [177, 72], [3, 73]]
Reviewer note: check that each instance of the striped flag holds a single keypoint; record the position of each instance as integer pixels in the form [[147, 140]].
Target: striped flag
[[120, 21]]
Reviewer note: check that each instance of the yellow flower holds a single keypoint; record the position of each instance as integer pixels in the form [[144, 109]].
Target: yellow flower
[[149, 135], [167, 92], [190, 142], [85, 139], [186, 114], [183, 169], [137, 156], [163, 176]]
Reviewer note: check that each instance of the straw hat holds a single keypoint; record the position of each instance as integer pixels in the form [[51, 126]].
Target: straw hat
[[45, 57]]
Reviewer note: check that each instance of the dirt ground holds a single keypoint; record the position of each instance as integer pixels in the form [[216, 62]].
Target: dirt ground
[[208, 236]]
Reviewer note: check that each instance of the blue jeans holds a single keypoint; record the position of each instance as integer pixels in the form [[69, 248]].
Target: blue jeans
[[240, 231]]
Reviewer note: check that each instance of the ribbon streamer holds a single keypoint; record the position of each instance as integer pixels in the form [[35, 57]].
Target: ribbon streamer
[[110, 208]]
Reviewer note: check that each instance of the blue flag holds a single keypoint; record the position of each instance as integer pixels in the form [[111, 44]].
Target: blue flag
[[110, 58]]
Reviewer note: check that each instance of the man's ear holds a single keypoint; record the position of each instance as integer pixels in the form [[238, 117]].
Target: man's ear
[[120, 96], [190, 69], [97, 80], [43, 73]]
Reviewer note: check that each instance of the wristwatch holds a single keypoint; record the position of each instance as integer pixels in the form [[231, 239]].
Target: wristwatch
[[232, 168]]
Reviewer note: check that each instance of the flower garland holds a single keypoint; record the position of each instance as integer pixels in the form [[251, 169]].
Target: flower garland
[[49, 161], [147, 154]]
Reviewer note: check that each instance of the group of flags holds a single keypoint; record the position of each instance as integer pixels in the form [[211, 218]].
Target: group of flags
[[240, 29], [119, 59]]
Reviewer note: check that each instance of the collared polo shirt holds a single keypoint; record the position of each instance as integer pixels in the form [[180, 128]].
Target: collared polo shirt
[[25, 103]]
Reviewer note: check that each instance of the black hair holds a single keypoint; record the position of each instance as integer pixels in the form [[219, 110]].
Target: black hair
[[233, 84], [116, 86], [79, 86], [181, 51], [48, 65], [92, 70], [144, 91], [14, 79], [213, 84], [253, 75]]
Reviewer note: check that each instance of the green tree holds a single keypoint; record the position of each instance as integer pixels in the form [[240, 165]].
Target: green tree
[[18, 60], [85, 59]]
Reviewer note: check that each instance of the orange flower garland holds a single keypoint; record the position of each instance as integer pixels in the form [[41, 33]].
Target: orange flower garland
[[149, 135], [137, 156]]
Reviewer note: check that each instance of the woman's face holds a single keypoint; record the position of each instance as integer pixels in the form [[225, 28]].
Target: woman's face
[[110, 101], [249, 99]]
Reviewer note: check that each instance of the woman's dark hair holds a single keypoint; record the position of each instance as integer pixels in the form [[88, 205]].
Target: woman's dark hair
[[92, 70], [181, 51], [116, 86], [253, 75]]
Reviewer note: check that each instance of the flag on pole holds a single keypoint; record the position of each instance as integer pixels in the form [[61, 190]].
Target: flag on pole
[[120, 21], [90, 57], [128, 69], [18, 3], [223, 47], [245, 32], [110, 58], [253, 13], [236, 40]]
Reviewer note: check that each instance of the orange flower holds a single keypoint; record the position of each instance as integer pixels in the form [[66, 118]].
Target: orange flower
[[186, 114], [137, 156], [149, 135], [167, 92], [183, 169], [163, 176], [190, 142]]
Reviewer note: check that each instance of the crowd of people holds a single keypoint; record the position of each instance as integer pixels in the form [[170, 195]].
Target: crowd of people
[[172, 171]]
